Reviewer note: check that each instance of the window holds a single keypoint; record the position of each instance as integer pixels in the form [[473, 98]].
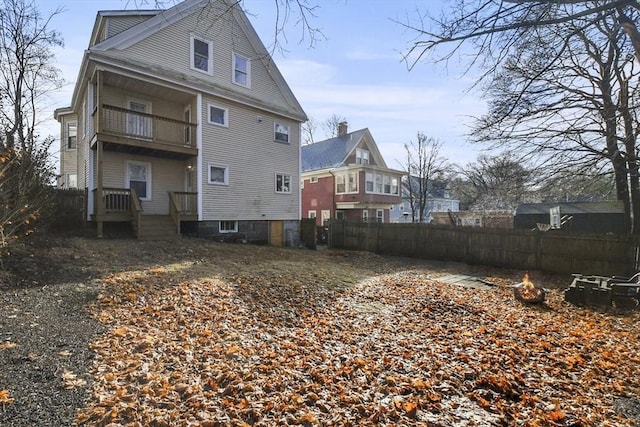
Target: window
[[312, 214], [281, 132], [365, 216], [353, 182], [201, 55], [218, 174], [228, 226], [72, 180], [218, 115], [369, 182], [340, 187], [378, 183], [340, 215], [347, 182], [380, 215], [283, 183], [72, 135], [387, 184], [313, 179], [326, 215], [394, 185], [241, 70], [138, 177], [362, 157]]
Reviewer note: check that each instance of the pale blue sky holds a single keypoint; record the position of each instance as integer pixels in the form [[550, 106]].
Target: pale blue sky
[[356, 71]]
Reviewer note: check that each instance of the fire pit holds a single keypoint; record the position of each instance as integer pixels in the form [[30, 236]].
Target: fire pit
[[528, 292]]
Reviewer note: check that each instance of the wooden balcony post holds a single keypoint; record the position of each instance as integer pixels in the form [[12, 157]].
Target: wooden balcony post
[[99, 196], [98, 107], [99, 155]]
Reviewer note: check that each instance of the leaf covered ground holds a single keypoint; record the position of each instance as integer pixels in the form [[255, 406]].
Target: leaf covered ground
[[199, 333]]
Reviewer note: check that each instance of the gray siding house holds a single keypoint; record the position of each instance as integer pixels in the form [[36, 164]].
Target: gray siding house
[[183, 122]]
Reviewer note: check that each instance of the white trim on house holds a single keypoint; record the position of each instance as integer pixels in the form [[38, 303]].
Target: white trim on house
[[225, 172], [225, 115], [152, 25], [192, 54], [199, 162], [247, 72], [228, 221], [285, 189], [282, 125]]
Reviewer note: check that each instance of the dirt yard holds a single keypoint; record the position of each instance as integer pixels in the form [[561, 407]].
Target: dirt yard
[[121, 332]]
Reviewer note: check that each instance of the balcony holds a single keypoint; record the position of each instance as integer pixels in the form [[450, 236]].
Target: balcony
[[135, 132]]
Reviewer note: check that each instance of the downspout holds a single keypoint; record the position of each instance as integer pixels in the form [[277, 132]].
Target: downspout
[[333, 195]]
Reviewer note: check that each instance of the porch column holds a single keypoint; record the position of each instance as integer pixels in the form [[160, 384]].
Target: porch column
[[99, 155], [99, 199]]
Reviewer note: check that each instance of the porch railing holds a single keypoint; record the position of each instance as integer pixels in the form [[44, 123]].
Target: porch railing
[[134, 124], [118, 201], [183, 205]]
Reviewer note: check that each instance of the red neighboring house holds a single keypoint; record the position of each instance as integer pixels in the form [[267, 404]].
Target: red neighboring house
[[346, 178]]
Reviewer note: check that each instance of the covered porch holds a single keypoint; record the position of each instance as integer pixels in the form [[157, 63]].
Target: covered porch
[[136, 126]]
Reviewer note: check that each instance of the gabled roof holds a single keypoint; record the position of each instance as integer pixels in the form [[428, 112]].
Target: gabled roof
[[160, 19], [572, 208], [330, 153]]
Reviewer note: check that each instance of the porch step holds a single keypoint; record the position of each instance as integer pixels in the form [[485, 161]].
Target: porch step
[[157, 227]]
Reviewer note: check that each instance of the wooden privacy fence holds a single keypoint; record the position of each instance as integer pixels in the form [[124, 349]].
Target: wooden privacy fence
[[529, 250]]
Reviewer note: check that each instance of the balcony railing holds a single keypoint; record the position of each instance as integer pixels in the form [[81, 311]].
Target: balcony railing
[[183, 206], [134, 124]]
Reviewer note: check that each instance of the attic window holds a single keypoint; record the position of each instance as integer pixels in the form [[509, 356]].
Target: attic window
[[314, 179], [241, 70], [201, 55], [362, 157]]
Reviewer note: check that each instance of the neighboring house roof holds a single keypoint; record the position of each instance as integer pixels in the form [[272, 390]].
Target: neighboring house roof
[[436, 188], [572, 208], [330, 153]]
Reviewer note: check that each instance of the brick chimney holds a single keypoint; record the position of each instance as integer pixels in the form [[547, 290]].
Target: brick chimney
[[342, 128]]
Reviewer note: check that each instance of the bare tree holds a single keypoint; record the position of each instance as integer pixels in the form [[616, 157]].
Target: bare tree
[[289, 14], [423, 163], [561, 79], [331, 125], [26, 79], [568, 100], [494, 183], [308, 129], [494, 27]]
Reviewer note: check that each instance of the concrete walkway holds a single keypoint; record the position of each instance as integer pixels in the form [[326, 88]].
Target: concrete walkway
[[464, 280]]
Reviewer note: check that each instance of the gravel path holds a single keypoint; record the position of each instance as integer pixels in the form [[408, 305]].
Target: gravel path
[[45, 332]]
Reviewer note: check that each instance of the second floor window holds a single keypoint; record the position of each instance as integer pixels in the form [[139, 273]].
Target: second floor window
[[201, 55], [72, 135], [347, 182], [281, 132], [381, 184], [218, 115]]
